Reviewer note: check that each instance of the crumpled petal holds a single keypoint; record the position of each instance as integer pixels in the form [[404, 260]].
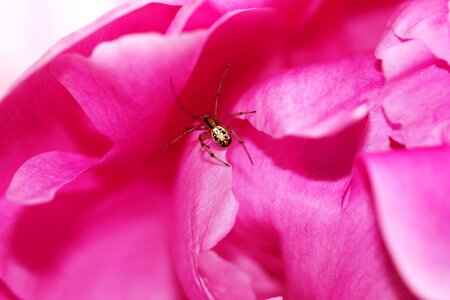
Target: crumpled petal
[[292, 11], [351, 27], [122, 90], [427, 21], [205, 211], [330, 244], [411, 191], [313, 101], [256, 252], [108, 242], [419, 35], [38, 115], [194, 15], [223, 278], [403, 58], [31, 125], [420, 104], [141, 118], [206, 11], [40, 177], [234, 40]]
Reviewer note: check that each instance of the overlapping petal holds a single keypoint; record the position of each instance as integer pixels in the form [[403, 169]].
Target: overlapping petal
[[238, 39], [205, 206], [338, 29], [48, 249], [419, 103], [5, 292], [411, 190], [111, 241], [418, 36], [427, 21], [315, 100], [328, 236], [122, 90], [310, 225], [32, 124], [255, 250], [39, 115], [293, 11], [38, 179], [205, 212], [403, 58]]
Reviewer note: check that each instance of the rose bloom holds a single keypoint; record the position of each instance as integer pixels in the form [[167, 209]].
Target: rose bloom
[[348, 196]]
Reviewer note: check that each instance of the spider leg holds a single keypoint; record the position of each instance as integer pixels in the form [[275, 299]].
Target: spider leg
[[238, 114], [186, 132], [241, 142], [180, 104], [204, 116], [202, 138], [220, 88]]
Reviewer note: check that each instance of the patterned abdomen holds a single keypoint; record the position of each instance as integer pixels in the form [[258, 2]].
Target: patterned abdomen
[[221, 136]]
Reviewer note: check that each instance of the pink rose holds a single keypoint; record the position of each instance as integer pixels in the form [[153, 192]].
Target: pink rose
[[348, 194]]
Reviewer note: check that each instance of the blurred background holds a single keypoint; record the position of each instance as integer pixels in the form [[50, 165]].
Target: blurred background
[[29, 27]]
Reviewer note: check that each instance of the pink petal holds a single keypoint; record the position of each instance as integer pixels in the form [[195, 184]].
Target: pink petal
[[125, 89], [5, 292], [206, 208], [230, 284], [337, 29], [255, 251], [416, 38], [42, 120], [411, 189], [205, 212], [378, 135], [236, 40], [419, 104], [349, 28], [404, 58], [329, 239], [142, 117], [203, 14], [40, 177], [38, 115], [315, 100], [427, 21], [194, 15], [108, 243], [125, 19], [290, 10]]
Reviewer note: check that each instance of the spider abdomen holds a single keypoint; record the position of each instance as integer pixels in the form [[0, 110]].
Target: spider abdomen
[[221, 136]]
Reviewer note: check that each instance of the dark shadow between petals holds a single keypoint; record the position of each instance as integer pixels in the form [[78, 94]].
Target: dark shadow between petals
[[328, 158]]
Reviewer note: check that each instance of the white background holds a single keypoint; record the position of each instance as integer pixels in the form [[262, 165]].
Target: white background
[[29, 27]]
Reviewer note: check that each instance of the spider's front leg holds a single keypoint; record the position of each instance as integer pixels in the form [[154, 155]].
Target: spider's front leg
[[186, 132], [202, 138], [238, 114]]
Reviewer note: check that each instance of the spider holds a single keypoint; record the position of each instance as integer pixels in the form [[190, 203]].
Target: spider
[[212, 126]]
